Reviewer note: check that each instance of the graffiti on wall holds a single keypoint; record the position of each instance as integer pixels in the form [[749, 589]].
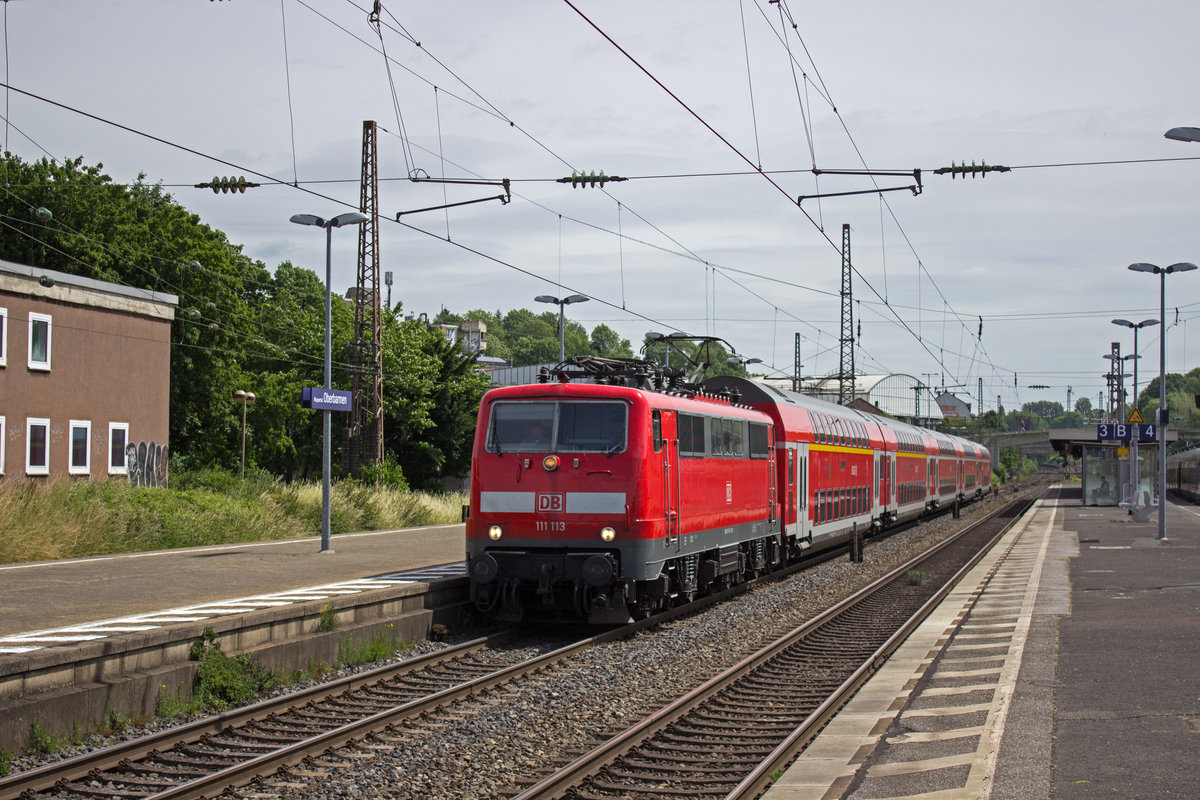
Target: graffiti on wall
[[147, 464]]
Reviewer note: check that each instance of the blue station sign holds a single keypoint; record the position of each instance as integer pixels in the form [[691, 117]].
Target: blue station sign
[[1125, 432], [325, 399]]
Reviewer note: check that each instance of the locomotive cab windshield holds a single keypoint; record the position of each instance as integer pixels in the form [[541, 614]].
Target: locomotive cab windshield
[[562, 426]]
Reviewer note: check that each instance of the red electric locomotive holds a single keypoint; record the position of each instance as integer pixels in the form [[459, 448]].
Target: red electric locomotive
[[611, 498]]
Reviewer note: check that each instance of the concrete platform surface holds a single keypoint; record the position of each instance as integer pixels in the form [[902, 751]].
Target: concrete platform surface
[[53, 594], [1066, 665]]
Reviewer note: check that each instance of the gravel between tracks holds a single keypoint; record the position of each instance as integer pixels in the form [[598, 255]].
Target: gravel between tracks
[[491, 749]]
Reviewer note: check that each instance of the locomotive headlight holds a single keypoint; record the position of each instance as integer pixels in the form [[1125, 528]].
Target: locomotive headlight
[[550, 463], [607, 534], [494, 532]]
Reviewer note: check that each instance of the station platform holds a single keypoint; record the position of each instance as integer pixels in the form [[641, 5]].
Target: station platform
[[1064, 665], [56, 602]]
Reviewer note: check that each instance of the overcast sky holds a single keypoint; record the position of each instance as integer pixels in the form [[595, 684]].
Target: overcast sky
[[531, 90]]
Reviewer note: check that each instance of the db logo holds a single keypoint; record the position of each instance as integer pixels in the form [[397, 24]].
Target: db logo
[[551, 501]]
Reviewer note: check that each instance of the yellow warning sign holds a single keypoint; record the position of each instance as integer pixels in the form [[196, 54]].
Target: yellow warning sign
[[1136, 417]]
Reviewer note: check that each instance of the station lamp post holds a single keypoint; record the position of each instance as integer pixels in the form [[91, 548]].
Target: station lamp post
[[738, 361], [562, 331], [1183, 134], [246, 399], [349, 218], [1136, 326], [1162, 272]]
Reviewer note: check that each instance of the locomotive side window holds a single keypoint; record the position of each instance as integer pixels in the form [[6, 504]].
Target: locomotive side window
[[656, 425], [759, 444], [691, 435]]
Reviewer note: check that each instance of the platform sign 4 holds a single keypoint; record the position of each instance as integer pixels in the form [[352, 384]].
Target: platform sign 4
[[1124, 432]]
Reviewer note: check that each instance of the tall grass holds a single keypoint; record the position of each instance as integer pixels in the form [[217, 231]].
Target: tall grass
[[69, 519]]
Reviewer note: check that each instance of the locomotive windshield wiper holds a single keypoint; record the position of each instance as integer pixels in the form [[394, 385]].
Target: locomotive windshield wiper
[[614, 449]]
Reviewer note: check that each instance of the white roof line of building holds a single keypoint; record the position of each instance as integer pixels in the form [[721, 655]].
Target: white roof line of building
[[36, 273]]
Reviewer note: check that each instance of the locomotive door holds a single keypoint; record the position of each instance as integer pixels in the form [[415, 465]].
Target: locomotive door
[[667, 442]]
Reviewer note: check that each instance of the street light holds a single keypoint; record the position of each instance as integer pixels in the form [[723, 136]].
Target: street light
[[1162, 272], [1183, 134], [246, 399], [349, 218], [1137, 466], [738, 361], [562, 332]]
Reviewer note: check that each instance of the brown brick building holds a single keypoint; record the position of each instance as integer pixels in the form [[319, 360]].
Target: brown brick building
[[85, 371]]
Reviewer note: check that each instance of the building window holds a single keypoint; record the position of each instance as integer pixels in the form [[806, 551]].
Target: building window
[[37, 446], [118, 437], [3, 431], [3, 337], [39, 341], [81, 447]]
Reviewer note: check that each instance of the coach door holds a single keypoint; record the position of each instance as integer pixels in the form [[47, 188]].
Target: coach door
[[666, 443]]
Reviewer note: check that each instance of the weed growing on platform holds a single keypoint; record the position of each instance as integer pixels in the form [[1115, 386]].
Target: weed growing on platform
[[45, 742], [328, 620], [115, 721], [223, 681], [173, 706], [352, 652]]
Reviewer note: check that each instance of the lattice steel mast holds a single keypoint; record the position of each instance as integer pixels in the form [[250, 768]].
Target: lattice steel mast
[[365, 444], [846, 365]]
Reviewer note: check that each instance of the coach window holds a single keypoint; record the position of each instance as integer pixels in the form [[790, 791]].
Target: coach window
[[656, 424], [791, 462]]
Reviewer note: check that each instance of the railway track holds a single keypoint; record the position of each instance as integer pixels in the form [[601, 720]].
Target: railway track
[[210, 756], [231, 748], [727, 737]]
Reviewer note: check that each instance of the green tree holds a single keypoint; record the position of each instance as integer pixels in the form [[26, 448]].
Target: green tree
[[607, 343], [1046, 409]]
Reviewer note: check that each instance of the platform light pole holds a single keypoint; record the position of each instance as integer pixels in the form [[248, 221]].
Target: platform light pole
[[246, 399], [1162, 272], [562, 330], [1136, 326], [349, 218]]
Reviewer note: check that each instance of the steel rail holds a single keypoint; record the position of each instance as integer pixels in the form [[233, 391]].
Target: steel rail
[[113, 757], [86, 766], [560, 783], [760, 777]]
